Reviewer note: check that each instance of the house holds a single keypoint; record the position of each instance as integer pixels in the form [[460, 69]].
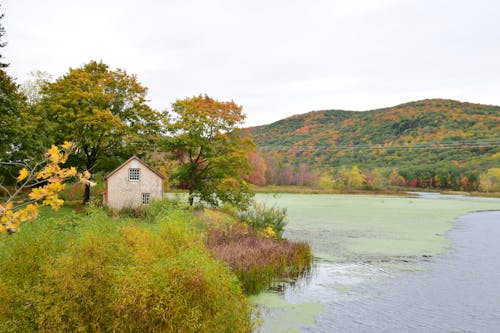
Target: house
[[132, 184]]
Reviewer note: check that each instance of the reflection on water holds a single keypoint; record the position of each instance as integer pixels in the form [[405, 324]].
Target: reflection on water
[[457, 292]]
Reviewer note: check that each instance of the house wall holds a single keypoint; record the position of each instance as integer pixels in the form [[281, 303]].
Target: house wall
[[120, 192]]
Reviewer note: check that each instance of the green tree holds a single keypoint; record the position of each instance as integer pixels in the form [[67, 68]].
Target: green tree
[[11, 117], [210, 150], [103, 111]]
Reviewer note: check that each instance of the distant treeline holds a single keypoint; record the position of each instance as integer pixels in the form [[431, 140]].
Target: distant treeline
[[440, 144]]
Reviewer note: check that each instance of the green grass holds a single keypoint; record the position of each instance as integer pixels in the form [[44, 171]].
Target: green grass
[[88, 271]]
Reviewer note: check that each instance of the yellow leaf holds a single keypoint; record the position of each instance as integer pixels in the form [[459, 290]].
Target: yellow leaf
[[66, 145], [23, 173], [8, 206], [53, 154]]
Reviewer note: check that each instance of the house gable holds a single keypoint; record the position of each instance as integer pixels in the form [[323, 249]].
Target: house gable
[[132, 184]]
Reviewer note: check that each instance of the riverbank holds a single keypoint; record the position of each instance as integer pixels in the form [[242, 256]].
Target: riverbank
[[401, 191], [165, 267]]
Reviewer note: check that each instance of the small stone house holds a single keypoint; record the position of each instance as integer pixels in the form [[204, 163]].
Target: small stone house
[[132, 184]]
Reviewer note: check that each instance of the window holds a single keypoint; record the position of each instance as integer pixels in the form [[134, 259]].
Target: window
[[145, 198], [134, 174]]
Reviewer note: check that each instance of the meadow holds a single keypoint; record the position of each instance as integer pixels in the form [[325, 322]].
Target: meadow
[[165, 267]]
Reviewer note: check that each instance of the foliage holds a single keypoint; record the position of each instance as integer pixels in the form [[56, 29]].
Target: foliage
[[101, 274], [15, 135], [211, 153], [432, 143], [261, 218], [45, 181], [103, 111], [257, 260], [490, 181], [258, 174]]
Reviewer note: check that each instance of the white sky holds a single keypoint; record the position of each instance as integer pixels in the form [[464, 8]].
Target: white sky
[[275, 57]]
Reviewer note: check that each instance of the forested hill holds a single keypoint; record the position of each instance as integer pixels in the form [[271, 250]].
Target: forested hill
[[423, 134]]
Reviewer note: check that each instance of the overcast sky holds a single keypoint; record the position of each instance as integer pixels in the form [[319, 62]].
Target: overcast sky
[[275, 57]]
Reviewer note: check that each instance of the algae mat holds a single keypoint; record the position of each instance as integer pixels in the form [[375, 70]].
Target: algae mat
[[360, 239], [364, 227]]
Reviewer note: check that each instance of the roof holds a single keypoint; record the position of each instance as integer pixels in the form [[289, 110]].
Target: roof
[[138, 159]]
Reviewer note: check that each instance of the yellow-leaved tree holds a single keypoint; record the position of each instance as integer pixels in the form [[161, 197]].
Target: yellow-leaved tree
[[44, 180]]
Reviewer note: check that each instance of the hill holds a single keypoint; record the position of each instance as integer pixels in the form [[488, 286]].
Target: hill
[[426, 136]]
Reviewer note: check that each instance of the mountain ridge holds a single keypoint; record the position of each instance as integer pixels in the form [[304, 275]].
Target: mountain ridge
[[426, 134]]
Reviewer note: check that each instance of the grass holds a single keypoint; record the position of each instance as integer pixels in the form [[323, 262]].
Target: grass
[[170, 268], [257, 261], [314, 190], [70, 272]]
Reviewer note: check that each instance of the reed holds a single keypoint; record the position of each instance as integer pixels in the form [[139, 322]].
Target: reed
[[257, 261]]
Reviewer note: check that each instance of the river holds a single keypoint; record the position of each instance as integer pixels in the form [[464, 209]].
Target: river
[[453, 288]]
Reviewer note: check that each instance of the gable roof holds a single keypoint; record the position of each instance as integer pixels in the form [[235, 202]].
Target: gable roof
[[141, 161]]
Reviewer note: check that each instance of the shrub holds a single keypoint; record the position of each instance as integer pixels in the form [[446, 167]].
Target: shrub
[[257, 261], [105, 274], [260, 217]]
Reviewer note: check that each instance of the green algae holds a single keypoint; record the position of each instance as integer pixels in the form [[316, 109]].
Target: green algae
[[363, 227], [269, 299], [287, 317]]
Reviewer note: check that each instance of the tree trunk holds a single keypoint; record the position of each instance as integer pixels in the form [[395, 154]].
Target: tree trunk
[[86, 195], [91, 159]]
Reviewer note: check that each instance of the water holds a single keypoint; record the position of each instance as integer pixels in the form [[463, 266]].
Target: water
[[459, 291], [454, 292]]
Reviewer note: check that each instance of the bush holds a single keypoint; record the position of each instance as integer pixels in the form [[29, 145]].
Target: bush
[[103, 274], [261, 218], [257, 261]]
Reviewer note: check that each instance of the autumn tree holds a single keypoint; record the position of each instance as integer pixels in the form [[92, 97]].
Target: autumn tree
[[258, 166], [352, 178], [103, 111], [210, 150], [490, 181], [44, 180]]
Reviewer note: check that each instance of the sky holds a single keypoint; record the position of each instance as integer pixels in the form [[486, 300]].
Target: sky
[[276, 58]]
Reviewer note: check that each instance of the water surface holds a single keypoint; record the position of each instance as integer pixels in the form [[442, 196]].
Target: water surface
[[379, 287]]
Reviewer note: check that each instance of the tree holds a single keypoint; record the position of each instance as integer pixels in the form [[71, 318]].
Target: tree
[[11, 119], [103, 111], [354, 178], [2, 44], [210, 150], [490, 181], [45, 180], [258, 165]]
